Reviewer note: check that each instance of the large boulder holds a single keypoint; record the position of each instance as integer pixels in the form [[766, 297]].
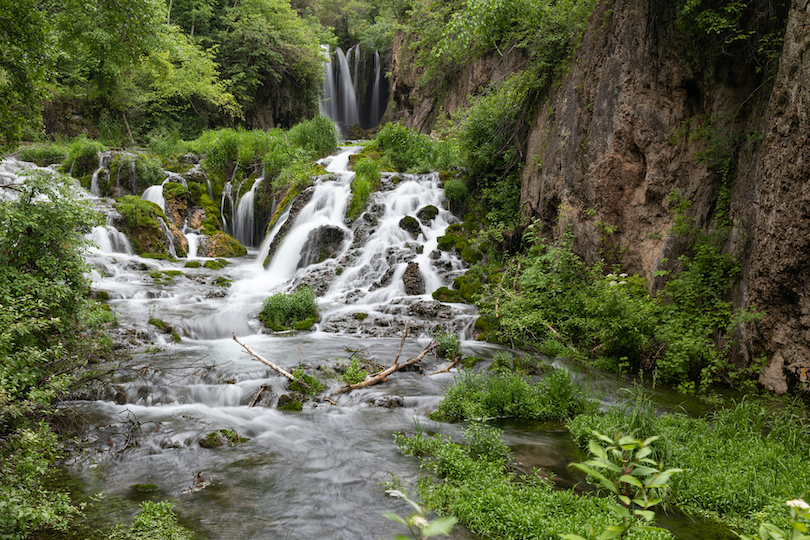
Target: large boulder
[[322, 243], [413, 280]]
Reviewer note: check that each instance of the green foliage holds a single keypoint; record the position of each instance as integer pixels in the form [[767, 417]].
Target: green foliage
[[418, 525], [82, 156], [728, 459], [799, 517], [366, 181], [43, 154], [306, 383], [26, 57], [157, 521], [319, 136], [352, 374], [477, 396], [456, 192], [474, 483], [449, 345], [623, 467], [282, 311], [405, 149], [752, 30], [48, 335]]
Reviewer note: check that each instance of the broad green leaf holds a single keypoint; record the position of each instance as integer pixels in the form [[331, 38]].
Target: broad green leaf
[[395, 518], [440, 526], [632, 480]]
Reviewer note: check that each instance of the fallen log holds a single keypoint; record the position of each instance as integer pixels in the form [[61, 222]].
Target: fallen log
[[380, 376], [451, 365], [265, 361]]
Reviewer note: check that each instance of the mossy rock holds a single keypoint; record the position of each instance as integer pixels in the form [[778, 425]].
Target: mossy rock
[[428, 213], [222, 281], [289, 402], [224, 245], [144, 488], [454, 228], [468, 286], [223, 437], [305, 324], [447, 242], [471, 255], [212, 265], [359, 316], [192, 264], [468, 362], [443, 294], [410, 225], [141, 225], [314, 386], [102, 296]]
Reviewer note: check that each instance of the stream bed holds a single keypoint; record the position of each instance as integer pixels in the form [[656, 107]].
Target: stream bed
[[321, 472]]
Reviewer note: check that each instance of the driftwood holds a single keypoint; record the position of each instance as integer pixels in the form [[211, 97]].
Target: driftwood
[[265, 361], [380, 376], [451, 365], [257, 396]]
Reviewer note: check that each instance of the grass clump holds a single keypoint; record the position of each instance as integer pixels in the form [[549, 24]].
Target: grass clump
[[283, 311], [739, 463], [44, 154], [82, 157], [477, 396], [157, 521], [311, 385], [473, 482], [449, 345], [353, 373], [223, 437], [366, 181]]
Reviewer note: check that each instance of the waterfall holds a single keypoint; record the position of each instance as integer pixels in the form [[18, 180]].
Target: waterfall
[[243, 226], [352, 94], [155, 194], [103, 163]]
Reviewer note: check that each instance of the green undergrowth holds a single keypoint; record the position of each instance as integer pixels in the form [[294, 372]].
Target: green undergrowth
[[473, 482], [740, 463], [157, 521], [366, 181], [504, 394], [290, 311], [550, 300]]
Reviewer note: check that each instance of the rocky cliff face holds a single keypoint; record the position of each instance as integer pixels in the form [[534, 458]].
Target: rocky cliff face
[[640, 115]]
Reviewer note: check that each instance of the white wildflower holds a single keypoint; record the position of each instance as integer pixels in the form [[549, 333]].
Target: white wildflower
[[798, 503], [419, 521]]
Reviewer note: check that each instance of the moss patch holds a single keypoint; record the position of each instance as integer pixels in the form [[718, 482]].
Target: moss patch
[[223, 437]]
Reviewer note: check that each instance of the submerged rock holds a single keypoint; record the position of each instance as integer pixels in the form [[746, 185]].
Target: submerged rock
[[413, 280], [322, 243]]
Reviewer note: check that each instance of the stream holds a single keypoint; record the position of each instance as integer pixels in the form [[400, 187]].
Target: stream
[[318, 473]]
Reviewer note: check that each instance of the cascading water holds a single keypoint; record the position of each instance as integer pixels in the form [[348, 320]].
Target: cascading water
[[103, 163], [353, 91], [155, 194], [243, 225], [311, 474]]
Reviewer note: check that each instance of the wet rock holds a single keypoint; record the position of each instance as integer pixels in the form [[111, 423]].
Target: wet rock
[[413, 280], [177, 199], [318, 280], [428, 213], [387, 402], [431, 310], [220, 245], [298, 204], [410, 225], [322, 243], [384, 281], [223, 437]]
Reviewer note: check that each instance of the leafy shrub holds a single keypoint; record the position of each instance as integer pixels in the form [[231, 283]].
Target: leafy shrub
[[311, 386], [449, 345], [474, 484], [352, 374], [157, 521], [318, 136], [405, 149], [476, 396], [82, 157], [366, 181], [456, 192], [282, 311], [728, 459], [43, 154]]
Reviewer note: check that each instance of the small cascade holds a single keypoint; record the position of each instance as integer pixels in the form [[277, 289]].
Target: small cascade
[[243, 226], [264, 249], [227, 193], [155, 194], [103, 164], [193, 243], [353, 91], [168, 236], [110, 240]]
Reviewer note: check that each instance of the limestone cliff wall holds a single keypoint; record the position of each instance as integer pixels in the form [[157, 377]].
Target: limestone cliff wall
[[616, 137]]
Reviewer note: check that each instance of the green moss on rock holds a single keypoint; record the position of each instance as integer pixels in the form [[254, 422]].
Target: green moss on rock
[[223, 437]]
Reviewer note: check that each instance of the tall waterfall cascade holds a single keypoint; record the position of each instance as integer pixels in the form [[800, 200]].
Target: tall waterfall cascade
[[354, 91]]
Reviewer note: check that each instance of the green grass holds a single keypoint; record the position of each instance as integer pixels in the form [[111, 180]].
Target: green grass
[[740, 464], [503, 394], [283, 311]]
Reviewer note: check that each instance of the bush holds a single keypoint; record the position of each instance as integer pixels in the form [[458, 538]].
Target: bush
[[474, 484], [480, 396], [318, 136], [728, 459], [456, 192], [366, 181], [283, 311], [405, 149], [43, 154], [82, 157], [449, 345], [157, 521]]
